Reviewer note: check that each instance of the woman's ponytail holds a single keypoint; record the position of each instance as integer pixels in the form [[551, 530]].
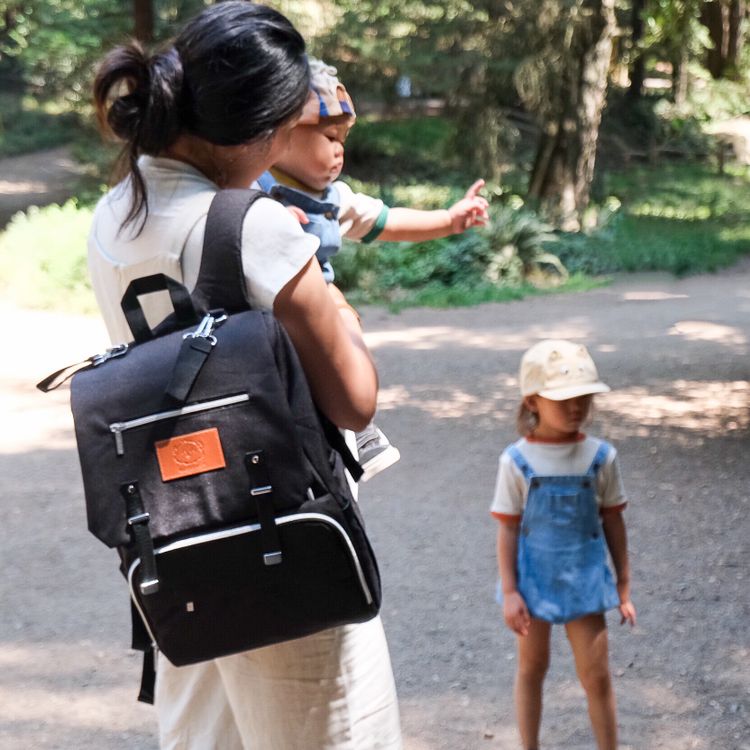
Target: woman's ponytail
[[235, 73], [137, 100]]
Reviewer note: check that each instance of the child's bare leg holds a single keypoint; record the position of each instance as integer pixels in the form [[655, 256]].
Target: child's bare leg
[[588, 639], [533, 661]]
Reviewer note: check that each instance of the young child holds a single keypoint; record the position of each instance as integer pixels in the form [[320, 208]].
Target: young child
[[559, 498], [305, 179]]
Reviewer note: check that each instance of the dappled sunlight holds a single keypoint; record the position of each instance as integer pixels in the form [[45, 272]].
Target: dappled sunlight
[[450, 402], [22, 186], [641, 296], [34, 420], [711, 407], [701, 330], [434, 337], [83, 708]]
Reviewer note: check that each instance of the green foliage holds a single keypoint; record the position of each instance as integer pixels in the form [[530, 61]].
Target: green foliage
[[681, 218], [43, 259], [516, 248], [51, 46], [389, 151], [26, 127]]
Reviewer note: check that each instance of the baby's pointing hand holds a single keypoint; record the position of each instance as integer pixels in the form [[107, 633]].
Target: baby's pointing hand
[[470, 211]]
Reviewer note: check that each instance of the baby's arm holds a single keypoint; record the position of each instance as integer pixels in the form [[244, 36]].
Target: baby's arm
[[414, 225], [514, 608], [617, 541]]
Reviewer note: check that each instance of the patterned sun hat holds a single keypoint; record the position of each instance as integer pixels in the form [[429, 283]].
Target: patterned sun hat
[[328, 96], [559, 370]]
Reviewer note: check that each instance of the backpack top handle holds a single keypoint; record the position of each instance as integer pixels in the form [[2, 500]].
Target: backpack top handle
[[185, 313]]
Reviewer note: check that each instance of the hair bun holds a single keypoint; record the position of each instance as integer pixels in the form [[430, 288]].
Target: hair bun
[[163, 101]]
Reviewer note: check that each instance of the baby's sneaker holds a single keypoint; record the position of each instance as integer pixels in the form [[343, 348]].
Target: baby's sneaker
[[375, 451]]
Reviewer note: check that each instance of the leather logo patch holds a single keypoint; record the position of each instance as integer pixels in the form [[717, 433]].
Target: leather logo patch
[[186, 455]]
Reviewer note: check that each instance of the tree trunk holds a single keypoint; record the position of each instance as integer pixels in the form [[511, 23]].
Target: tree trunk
[[637, 71], [724, 21], [564, 165], [737, 13], [143, 16], [680, 77]]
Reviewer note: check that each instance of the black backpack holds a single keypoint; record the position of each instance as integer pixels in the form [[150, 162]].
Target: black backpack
[[207, 465]]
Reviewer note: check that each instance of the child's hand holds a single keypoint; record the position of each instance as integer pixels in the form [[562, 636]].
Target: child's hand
[[516, 614], [470, 211], [627, 613], [298, 214]]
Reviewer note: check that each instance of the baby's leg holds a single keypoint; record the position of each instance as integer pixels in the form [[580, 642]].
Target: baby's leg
[[588, 639], [533, 661]]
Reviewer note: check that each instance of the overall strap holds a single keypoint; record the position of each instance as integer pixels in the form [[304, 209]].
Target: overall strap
[[267, 181], [221, 281], [599, 459], [520, 461]]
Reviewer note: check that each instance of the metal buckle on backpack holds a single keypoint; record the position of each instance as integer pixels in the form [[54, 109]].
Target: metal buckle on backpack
[[272, 558], [149, 587], [206, 328], [115, 351]]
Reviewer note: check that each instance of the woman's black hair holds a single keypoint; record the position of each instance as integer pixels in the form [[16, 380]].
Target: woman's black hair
[[233, 75]]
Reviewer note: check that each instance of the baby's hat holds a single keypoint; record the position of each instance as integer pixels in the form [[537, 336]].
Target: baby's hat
[[557, 370], [328, 96]]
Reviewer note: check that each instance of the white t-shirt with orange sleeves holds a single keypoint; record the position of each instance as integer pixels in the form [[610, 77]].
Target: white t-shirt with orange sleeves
[[555, 459]]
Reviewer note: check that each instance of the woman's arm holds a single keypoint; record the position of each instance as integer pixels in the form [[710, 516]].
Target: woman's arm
[[617, 541], [328, 340], [515, 611]]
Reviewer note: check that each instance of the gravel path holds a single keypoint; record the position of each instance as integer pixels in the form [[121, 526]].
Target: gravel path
[[676, 355], [36, 179]]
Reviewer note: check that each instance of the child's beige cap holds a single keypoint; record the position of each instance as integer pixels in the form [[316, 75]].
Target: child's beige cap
[[557, 370], [328, 96]]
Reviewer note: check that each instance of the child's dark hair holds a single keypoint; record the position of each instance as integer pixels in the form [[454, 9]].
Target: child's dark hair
[[526, 420], [233, 75]]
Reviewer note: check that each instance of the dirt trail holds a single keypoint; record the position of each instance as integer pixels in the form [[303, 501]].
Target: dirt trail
[[36, 179], [676, 355]]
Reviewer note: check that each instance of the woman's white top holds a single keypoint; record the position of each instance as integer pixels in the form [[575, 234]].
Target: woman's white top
[[274, 246]]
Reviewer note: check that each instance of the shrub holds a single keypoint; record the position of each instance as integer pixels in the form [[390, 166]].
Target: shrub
[[43, 259]]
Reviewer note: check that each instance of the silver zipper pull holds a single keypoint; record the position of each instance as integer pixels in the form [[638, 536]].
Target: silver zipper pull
[[116, 429]]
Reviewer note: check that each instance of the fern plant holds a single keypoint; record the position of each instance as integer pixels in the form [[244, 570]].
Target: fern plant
[[516, 252]]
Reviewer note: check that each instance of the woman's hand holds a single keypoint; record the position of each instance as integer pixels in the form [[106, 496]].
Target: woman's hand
[[516, 613]]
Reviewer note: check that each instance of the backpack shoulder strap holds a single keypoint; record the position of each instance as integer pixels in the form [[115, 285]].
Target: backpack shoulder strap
[[221, 280]]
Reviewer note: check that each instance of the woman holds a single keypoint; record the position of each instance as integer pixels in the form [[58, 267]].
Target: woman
[[214, 111]]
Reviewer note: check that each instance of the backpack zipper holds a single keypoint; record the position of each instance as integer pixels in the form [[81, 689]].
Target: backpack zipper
[[117, 428]]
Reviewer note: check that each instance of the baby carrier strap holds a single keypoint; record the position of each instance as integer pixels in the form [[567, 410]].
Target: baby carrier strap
[[599, 459], [267, 181], [520, 461]]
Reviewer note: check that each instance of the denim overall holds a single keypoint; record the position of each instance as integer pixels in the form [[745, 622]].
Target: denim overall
[[323, 214], [562, 566]]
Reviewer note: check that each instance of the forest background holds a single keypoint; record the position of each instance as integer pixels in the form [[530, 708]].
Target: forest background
[[613, 135]]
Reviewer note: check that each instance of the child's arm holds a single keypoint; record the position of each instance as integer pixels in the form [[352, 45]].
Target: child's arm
[[413, 225], [514, 608], [617, 541]]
